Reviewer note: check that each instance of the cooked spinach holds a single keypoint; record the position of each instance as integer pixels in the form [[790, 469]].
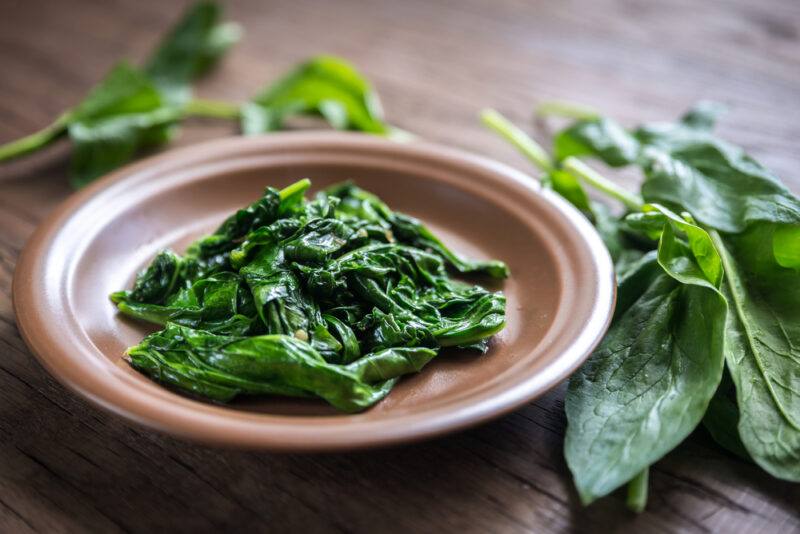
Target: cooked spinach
[[334, 298], [707, 321], [133, 108]]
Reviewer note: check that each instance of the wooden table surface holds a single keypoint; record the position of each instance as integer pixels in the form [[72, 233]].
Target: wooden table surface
[[67, 466]]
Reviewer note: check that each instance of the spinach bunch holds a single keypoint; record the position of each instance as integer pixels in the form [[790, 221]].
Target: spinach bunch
[[332, 298], [134, 108], [707, 323]]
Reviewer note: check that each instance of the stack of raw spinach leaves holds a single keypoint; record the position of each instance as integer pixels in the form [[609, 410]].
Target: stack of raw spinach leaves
[[135, 108], [707, 323], [335, 298]]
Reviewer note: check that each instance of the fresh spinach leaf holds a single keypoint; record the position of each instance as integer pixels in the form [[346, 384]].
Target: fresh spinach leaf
[[598, 137], [763, 346], [124, 113], [722, 418], [132, 109], [717, 183], [726, 190], [686, 167], [190, 49], [564, 183], [735, 247], [624, 247], [324, 85], [649, 382]]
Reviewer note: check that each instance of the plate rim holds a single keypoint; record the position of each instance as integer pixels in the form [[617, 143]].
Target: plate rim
[[44, 343]]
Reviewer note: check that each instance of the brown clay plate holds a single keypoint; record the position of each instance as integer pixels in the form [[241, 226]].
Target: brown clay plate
[[560, 294]]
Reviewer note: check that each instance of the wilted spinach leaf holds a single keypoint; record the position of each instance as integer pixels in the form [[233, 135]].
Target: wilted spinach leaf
[[335, 298]]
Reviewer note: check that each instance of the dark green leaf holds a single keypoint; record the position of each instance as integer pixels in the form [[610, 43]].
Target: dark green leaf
[[408, 230], [272, 364], [601, 138], [124, 113], [155, 283], [568, 187], [763, 346], [218, 304], [722, 418], [327, 282], [717, 183], [180, 357], [390, 363], [648, 384], [686, 167]]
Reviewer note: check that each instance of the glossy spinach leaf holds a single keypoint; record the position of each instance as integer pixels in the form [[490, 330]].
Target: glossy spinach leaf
[[649, 382], [221, 367], [408, 230], [324, 85], [220, 303], [324, 280], [179, 357], [157, 281], [391, 363]]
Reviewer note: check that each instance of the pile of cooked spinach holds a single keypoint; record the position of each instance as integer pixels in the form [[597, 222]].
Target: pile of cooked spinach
[[333, 298], [135, 108], [706, 328]]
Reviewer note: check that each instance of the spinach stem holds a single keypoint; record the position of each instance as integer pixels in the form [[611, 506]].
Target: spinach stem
[[36, 140], [637, 491], [582, 171], [215, 109], [570, 110], [522, 141], [296, 187]]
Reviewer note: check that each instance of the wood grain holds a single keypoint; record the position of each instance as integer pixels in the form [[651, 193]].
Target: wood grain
[[68, 467]]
